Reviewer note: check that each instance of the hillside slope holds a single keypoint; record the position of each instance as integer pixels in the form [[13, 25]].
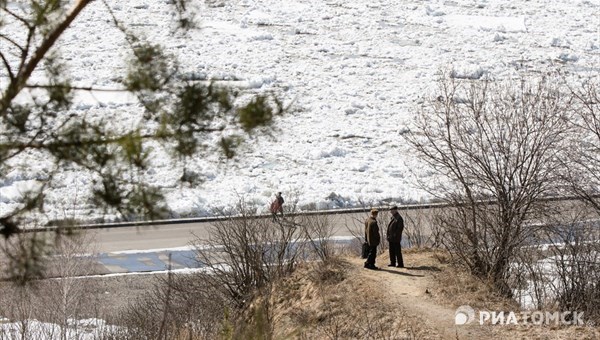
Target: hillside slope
[[342, 300]]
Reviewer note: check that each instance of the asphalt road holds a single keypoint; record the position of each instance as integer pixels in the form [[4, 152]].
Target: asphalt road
[[162, 236], [119, 248], [148, 248], [134, 249], [118, 239], [418, 220], [157, 247]]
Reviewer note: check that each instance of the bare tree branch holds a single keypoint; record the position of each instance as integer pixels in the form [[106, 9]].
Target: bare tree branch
[[18, 17], [7, 66], [497, 142], [24, 73], [12, 42]]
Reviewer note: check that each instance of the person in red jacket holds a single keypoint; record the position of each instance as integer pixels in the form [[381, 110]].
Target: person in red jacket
[[277, 206]]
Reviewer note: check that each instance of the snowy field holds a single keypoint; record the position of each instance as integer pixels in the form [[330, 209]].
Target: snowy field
[[88, 329], [353, 73]]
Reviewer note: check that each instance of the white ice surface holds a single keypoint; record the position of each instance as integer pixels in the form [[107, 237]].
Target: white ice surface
[[353, 71]]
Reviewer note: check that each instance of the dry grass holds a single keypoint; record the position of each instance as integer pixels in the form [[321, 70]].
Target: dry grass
[[328, 301], [454, 286]]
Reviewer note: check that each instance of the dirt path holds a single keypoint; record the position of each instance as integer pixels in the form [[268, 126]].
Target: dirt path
[[411, 288]]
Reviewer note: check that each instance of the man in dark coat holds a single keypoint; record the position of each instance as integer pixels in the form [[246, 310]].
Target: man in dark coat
[[394, 237], [372, 238]]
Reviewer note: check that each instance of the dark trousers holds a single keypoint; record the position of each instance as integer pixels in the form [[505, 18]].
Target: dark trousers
[[396, 254], [371, 257]]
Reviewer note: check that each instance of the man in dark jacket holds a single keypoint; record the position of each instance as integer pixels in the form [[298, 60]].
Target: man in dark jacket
[[394, 237], [372, 238]]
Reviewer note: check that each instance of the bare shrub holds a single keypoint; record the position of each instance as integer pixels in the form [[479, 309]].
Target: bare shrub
[[417, 230], [317, 230], [246, 254], [357, 230], [359, 318], [559, 269], [370, 324], [67, 298], [336, 327], [497, 146], [243, 255], [241, 259], [20, 308], [583, 163], [530, 279], [26, 256], [576, 261], [50, 308], [563, 269], [255, 324], [179, 306], [580, 252]]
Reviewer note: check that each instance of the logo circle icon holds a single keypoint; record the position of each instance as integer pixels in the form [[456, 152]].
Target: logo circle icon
[[464, 315]]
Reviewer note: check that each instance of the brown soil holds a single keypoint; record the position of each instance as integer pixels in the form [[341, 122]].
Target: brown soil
[[430, 290], [414, 288]]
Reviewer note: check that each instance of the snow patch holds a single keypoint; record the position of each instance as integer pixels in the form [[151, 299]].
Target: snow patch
[[472, 72], [261, 37], [487, 23], [568, 57], [328, 151], [434, 12]]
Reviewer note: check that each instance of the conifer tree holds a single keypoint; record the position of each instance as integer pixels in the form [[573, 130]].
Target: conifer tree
[[180, 115]]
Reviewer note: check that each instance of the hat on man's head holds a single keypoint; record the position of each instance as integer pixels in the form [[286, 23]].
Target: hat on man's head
[[393, 208], [374, 210]]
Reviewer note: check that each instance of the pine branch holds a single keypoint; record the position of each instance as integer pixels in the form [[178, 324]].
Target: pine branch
[[25, 72]]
